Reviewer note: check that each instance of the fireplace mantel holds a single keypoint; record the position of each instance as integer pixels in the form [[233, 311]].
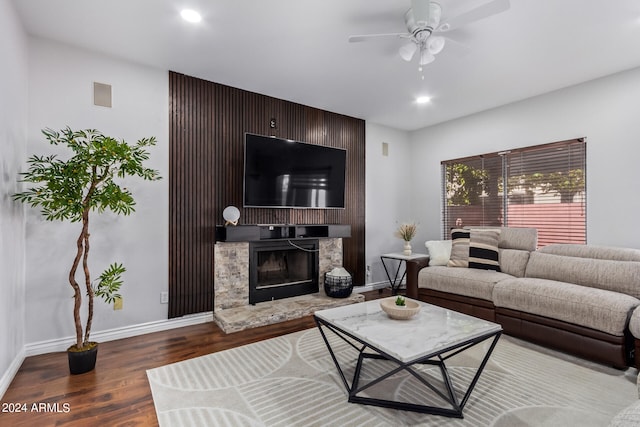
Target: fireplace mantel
[[257, 232]]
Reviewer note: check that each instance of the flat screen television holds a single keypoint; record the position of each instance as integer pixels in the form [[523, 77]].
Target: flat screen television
[[281, 173]]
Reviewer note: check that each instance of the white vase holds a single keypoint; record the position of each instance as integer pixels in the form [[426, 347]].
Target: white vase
[[407, 248]]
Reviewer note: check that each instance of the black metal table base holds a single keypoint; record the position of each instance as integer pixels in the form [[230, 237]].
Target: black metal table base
[[437, 359], [394, 283]]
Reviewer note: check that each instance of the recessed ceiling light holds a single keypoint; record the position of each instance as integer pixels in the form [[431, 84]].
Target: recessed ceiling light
[[423, 99], [190, 15]]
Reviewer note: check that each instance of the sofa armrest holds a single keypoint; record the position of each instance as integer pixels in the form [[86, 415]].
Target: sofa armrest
[[413, 267]]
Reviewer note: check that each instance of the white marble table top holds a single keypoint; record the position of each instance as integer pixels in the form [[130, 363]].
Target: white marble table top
[[429, 332]]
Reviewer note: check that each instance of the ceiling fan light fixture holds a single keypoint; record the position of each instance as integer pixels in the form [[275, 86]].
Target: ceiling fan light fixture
[[435, 44], [408, 50], [426, 57]]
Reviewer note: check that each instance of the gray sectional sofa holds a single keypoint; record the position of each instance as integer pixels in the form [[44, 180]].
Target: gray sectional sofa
[[630, 416], [575, 298]]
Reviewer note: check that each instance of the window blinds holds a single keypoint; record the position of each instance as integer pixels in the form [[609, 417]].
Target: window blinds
[[542, 186]]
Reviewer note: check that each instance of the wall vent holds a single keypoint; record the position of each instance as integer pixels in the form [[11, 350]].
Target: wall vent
[[101, 94]]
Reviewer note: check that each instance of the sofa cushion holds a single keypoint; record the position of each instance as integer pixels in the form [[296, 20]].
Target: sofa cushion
[[593, 251], [483, 249], [514, 261], [521, 238], [618, 276], [462, 281], [439, 251], [593, 308], [459, 248]]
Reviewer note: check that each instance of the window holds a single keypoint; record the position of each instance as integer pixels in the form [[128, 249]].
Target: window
[[543, 186]]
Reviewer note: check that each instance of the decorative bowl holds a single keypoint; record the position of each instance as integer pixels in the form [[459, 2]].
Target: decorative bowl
[[399, 312]]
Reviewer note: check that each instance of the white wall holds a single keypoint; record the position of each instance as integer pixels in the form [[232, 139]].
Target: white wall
[[13, 132], [603, 110], [60, 94], [388, 197]]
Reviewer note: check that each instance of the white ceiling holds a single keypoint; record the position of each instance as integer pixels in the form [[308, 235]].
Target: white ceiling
[[297, 50]]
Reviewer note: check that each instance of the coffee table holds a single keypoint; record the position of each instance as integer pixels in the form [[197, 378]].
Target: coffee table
[[431, 337]]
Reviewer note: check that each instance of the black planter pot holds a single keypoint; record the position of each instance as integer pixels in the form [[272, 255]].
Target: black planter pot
[[82, 361]]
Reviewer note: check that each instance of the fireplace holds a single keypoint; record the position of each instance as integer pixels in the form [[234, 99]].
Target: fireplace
[[282, 269], [232, 311]]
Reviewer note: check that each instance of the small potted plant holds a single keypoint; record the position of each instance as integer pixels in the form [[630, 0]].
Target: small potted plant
[[399, 308], [407, 231], [69, 190]]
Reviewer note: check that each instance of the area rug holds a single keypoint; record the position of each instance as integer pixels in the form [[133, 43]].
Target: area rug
[[292, 381]]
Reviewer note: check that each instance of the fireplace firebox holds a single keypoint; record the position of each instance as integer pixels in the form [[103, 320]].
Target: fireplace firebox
[[282, 269]]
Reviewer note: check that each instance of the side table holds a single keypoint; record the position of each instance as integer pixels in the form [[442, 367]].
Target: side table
[[401, 258]]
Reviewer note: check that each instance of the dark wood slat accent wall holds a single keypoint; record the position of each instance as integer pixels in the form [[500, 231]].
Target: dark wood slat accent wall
[[207, 125]]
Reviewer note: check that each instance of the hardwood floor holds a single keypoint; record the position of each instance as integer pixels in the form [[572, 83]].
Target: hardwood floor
[[117, 392]]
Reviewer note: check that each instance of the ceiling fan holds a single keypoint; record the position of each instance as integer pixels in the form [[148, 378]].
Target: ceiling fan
[[426, 28]]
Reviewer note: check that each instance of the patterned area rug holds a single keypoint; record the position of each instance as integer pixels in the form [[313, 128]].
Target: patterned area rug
[[292, 381]]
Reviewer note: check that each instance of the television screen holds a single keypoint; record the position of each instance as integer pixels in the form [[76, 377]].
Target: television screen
[[280, 173]]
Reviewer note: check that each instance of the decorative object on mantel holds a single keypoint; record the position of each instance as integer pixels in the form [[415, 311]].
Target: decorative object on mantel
[[231, 215], [338, 283], [406, 232], [68, 190], [399, 308]]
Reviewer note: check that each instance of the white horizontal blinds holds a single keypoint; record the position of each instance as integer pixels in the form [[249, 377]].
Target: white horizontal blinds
[[546, 189], [471, 192]]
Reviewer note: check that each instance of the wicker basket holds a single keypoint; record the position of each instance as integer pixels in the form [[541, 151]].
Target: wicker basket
[[338, 286]]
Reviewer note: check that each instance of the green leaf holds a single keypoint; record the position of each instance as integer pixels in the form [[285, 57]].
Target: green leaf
[[109, 283], [64, 189]]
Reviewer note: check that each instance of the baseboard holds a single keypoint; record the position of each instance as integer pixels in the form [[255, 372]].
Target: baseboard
[[61, 344], [10, 373]]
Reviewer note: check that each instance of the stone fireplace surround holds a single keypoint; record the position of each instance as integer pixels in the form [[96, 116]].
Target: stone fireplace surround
[[232, 311]]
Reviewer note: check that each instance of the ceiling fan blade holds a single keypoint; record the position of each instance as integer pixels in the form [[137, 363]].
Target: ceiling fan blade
[[420, 10], [488, 9], [366, 37]]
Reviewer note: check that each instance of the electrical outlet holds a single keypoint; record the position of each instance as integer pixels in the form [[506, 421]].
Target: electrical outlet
[[117, 304], [164, 297]]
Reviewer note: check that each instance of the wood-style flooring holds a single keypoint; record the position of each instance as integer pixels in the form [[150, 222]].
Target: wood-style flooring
[[117, 392]]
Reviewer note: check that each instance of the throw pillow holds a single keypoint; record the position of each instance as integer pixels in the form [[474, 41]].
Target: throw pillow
[[459, 248], [439, 251], [483, 250]]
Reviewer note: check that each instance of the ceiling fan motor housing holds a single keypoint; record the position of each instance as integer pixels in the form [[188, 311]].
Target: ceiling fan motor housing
[[421, 27], [430, 21]]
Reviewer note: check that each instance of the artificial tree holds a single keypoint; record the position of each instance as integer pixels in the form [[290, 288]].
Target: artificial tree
[[68, 190]]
